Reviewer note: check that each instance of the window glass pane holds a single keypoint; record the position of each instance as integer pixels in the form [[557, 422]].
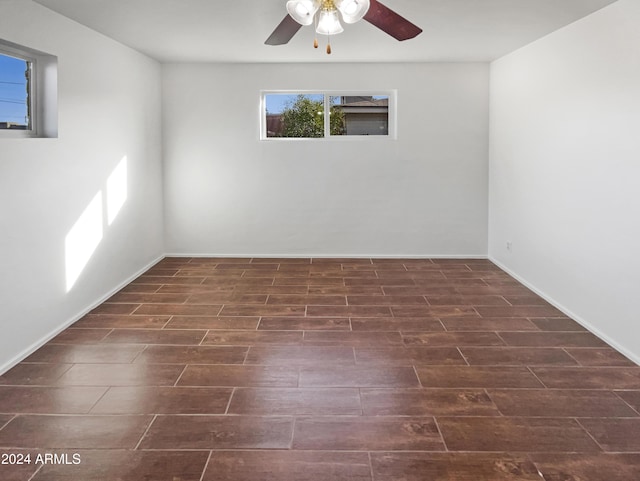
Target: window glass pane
[[295, 115], [359, 115], [14, 93]]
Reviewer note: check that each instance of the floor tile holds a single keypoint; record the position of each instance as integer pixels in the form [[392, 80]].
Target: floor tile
[[551, 339], [301, 355], [193, 355], [197, 288], [156, 336], [356, 376], [386, 300], [303, 323], [326, 401], [457, 339], [209, 298], [121, 465], [34, 374], [121, 375], [482, 324], [48, 400], [367, 434], [477, 377], [114, 320], [81, 336], [163, 400], [288, 465], [452, 467], [420, 324], [74, 432], [405, 356], [252, 338], [115, 309], [218, 432], [179, 310], [434, 311], [240, 376], [582, 467], [515, 434], [213, 322], [293, 299], [517, 356], [589, 377], [519, 311], [469, 300], [427, 402], [352, 338], [557, 324], [599, 357], [272, 311], [348, 311], [615, 435], [560, 403], [151, 298], [169, 280], [86, 353]]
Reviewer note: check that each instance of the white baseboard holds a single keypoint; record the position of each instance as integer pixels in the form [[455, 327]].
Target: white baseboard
[[565, 310], [330, 256], [41, 342]]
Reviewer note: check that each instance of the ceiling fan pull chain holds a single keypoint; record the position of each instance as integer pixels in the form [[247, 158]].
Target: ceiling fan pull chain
[[315, 33], [328, 44]]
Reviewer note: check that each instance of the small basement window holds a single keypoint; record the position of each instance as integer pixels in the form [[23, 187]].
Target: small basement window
[[28, 92], [15, 93], [308, 115]]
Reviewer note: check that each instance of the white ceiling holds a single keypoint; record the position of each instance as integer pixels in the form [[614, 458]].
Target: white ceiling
[[235, 30]]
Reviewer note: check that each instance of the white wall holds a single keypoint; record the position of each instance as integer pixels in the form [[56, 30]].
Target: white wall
[[565, 169], [227, 192], [109, 108]]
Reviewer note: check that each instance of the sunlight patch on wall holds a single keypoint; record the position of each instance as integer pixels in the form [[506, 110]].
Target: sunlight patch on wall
[[116, 190], [83, 239]]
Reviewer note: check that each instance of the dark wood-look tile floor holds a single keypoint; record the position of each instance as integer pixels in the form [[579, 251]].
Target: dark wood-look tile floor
[[223, 369]]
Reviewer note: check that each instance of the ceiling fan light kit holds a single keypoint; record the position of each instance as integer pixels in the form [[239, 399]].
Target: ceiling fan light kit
[[326, 15]]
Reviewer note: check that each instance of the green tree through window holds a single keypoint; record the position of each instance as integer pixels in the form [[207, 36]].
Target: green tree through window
[[304, 117]]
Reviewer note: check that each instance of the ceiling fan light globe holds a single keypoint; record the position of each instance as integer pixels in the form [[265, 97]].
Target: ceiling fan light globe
[[303, 11], [353, 10], [329, 23]]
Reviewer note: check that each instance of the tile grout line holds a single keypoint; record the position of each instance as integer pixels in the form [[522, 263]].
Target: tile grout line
[[36, 472], [463, 356], [206, 465], [107, 389], [145, 432], [233, 391], [175, 384], [444, 443], [536, 376], [370, 465], [589, 434], [13, 416], [615, 392]]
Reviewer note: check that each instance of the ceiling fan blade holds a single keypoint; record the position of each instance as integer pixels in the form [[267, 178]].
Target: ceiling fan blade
[[284, 32], [390, 22]]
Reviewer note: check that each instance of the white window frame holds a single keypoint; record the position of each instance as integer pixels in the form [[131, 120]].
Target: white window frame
[[43, 92], [393, 129]]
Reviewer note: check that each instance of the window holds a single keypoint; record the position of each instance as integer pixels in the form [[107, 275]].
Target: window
[[15, 93], [28, 92], [308, 115]]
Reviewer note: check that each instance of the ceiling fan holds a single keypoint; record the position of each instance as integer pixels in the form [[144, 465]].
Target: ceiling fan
[[326, 15]]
